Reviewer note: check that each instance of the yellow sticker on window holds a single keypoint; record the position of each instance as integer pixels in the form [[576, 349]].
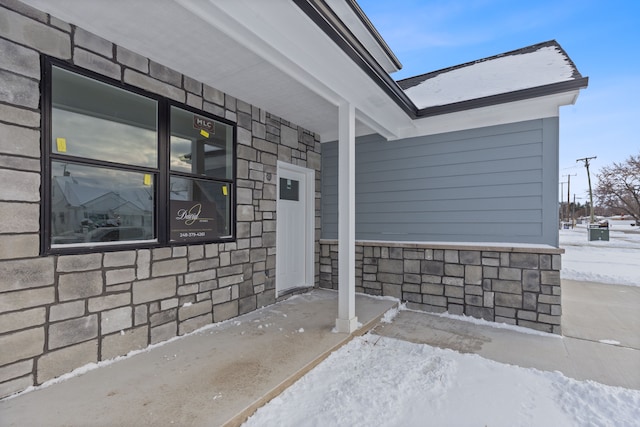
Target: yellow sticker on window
[[61, 145], [204, 133], [147, 179], [224, 190]]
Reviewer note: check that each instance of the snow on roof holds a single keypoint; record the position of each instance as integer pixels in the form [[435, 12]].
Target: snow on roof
[[526, 68]]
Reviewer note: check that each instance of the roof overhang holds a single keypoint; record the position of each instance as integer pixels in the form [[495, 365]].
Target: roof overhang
[[297, 59], [267, 53]]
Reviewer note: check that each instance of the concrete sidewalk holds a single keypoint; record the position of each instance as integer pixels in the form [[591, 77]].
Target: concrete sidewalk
[[217, 376], [601, 324]]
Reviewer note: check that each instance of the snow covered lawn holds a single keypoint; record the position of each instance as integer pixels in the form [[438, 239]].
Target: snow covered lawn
[[616, 261], [379, 381]]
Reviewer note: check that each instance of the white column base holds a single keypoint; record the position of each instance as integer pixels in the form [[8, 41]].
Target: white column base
[[346, 326]]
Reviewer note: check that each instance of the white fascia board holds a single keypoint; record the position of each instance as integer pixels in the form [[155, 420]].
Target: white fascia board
[[311, 57], [512, 112]]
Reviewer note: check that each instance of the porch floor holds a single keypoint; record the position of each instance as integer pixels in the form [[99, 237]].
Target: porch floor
[[214, 377]]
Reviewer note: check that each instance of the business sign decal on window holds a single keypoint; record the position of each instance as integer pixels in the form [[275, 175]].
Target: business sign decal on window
[[192, 221]]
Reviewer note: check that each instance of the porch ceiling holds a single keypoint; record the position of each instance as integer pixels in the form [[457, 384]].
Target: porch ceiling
[[269, 54]]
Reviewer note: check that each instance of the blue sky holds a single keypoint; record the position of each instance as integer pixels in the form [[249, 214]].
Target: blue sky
[[602, 38]]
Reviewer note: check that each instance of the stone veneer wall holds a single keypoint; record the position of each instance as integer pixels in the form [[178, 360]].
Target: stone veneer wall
[[61, 312], [518, 286]]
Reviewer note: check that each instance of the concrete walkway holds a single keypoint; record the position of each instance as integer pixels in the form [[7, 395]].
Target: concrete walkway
[[218, 376], [601, 325]]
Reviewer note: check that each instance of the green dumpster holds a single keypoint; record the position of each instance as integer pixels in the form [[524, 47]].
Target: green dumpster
[[598, 233]]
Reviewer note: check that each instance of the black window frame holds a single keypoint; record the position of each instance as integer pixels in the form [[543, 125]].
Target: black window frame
[[162, 171]]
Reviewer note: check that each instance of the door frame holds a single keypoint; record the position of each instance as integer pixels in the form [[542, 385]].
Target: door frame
[[309, 212]]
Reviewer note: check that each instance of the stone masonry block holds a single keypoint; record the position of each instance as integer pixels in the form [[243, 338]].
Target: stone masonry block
[[93, 43], [97, 63], [154, 289], [132, 59], [18, 90], [507, 286], [470, 257], [120, 344], [21, 345], [19, 59], [194, 323], [432, 289], [550, 299], [531, 280], [79, 285], [473, 274], [455, 270], [550, 278], [432, 267], [434, 300], [34, 34], [524, 260], [390, 278], [109, 301], [137, 79], [506, 273], [475, 300], [169, 267], [508, 300], [163, 332], [453, 281], [19, 116], [473, 289], [412, 266], [19, 186], [454, 291], [73, 331], [67, 310], [391, 266], [56, 363], [193, 310], [19, 246], [19, 300], [545, 318], [26, 274], [120, 259], [530, 301], [225, 311], [451, 256], [116, 320], [22, 319], [488, 299], [392, 290], [122, 275], [70, 263]]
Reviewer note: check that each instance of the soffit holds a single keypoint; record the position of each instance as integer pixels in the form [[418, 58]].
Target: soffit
[[270, 55]]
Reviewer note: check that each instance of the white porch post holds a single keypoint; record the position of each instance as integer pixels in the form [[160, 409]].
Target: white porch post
[[347, 321]]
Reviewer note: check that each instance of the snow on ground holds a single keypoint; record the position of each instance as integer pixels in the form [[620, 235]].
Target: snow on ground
[[616, 261], [386, 382]]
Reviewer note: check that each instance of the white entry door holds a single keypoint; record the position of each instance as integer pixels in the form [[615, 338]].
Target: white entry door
[[294, 227]]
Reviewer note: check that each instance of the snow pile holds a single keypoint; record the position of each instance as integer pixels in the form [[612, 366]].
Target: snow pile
[[385, 382], [499, 75], [616, 261]]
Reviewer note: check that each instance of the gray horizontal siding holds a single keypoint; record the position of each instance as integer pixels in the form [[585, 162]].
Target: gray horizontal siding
[[483, 185]]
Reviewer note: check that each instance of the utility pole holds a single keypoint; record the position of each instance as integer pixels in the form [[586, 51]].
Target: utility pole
[[568, 197], [561, 202], [586, 165]]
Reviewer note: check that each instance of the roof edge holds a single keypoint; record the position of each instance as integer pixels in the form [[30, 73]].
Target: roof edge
[[353, 4], [410, 82], [503, 98], [326, 19]]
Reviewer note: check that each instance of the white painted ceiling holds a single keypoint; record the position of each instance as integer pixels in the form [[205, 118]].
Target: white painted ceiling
[[267, 53]]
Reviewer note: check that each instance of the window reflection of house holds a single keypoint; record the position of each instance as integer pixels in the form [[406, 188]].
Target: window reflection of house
[[80, 205]]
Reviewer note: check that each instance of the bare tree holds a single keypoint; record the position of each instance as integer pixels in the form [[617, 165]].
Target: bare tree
[[619, 187]]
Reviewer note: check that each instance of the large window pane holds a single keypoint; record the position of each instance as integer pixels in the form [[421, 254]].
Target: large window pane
[[199, 210], [98, 121], [200, 145], [92, 204]]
